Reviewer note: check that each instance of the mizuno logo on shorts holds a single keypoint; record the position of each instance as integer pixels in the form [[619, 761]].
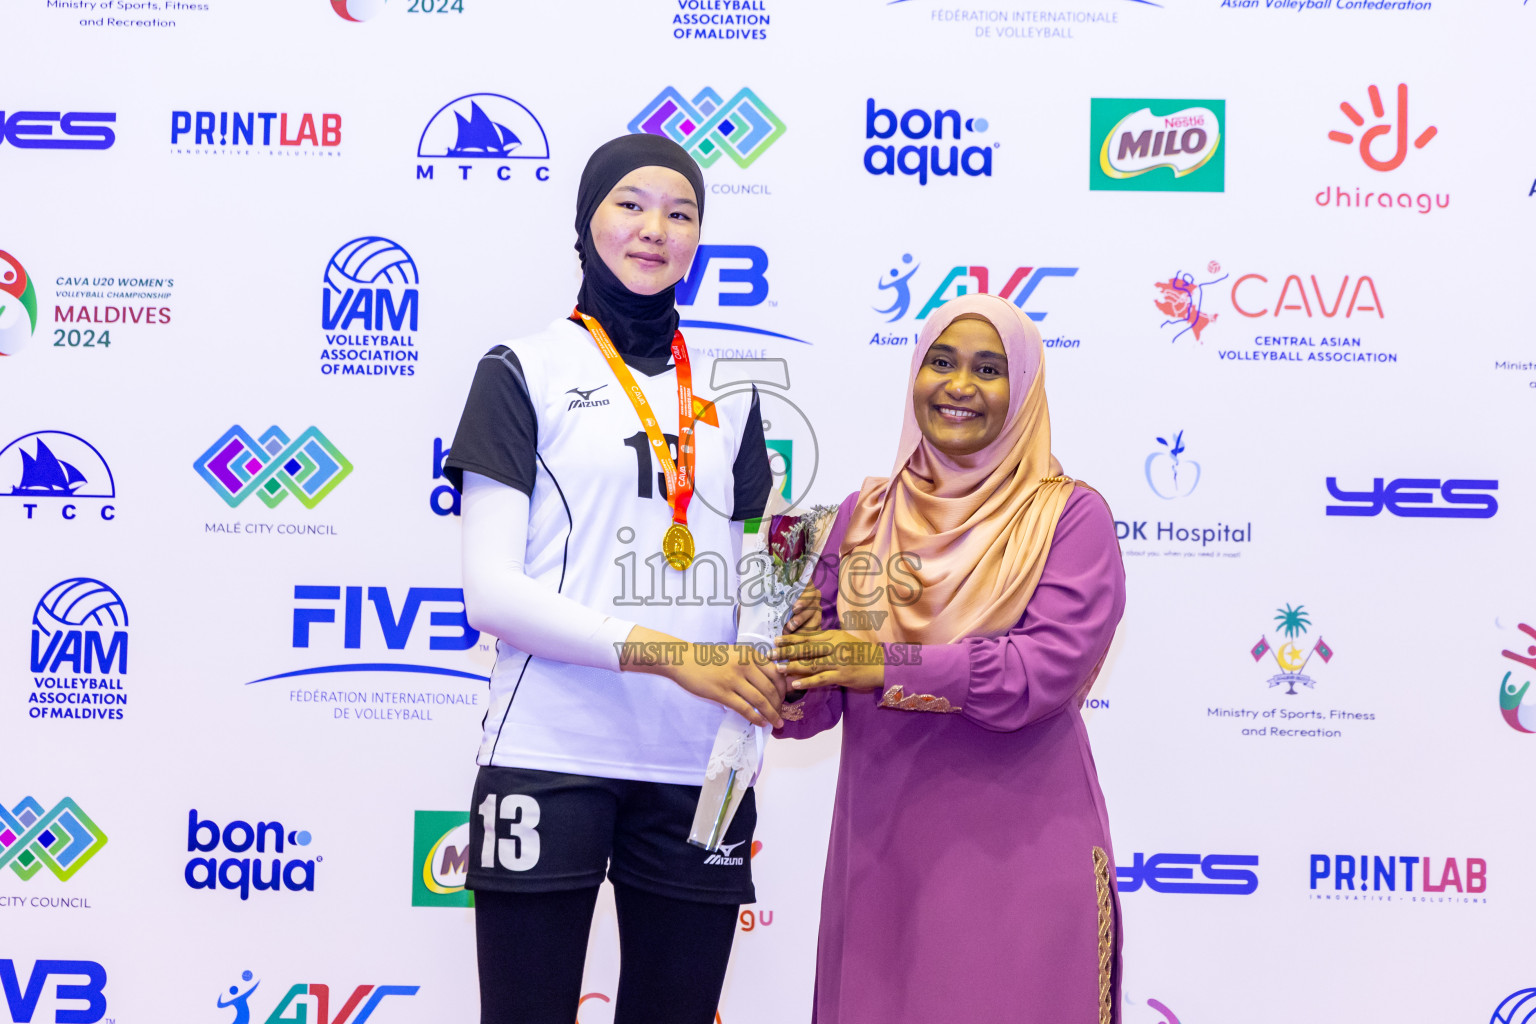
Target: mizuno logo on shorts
[[724, 858]]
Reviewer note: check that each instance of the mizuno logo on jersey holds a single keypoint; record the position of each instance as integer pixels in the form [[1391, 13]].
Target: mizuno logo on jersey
[[724, 857], [583, 399]]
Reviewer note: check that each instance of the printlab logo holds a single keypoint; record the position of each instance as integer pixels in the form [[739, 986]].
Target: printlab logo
[[1383, 148], [245, 133], [80, 624], [1223, 874], [52, 464], [488, 130], [305, 1002], [742, 128], [1293, 623], [1519, 715], [22, 999], [1018, 286], [18, 305], [238, 465], [241, 873], [35, 129], [728, 277], [1168, 475], [1147, 145], [1377, 875], [62, 840], [441, 860], [369, 310], [1517, 1008], [915, 159], [1414, 498]]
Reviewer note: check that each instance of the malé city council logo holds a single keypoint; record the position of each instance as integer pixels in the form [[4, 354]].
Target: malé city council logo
[[1292, 622], [18, 305], [1520, 716], [309, 467], [741, 128], [62, 840], [1147, 145]]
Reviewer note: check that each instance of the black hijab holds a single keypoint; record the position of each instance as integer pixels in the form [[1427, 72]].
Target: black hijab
[[640, 325]]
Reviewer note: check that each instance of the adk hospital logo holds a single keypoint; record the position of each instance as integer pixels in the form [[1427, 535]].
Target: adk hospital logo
[[79, 652]]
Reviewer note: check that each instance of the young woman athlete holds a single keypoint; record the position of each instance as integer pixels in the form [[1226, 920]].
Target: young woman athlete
[[582, 453]]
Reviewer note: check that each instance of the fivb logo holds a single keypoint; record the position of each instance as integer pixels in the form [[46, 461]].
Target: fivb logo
[[741, 128], [18, 305], [916, 159], [732, 276], [1018, 287], [238, 465], [62, 840], [241, 873], [22, 1001]]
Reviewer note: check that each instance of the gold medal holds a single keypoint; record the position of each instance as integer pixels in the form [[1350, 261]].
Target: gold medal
[[677, 545]]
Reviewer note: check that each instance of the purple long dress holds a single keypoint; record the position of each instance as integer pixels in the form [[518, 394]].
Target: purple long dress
[[969, 872]]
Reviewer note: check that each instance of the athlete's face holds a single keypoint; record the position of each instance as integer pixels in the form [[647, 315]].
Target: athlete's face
[[647, 228], [960, 396]]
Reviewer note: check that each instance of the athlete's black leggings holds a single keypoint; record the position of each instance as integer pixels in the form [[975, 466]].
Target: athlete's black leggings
[[532, 947]]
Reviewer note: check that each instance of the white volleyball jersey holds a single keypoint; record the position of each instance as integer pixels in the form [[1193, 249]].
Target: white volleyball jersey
[[597, 513]]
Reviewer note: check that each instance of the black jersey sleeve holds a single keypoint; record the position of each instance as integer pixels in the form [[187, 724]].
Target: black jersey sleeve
[[754, 477], [498, 435]]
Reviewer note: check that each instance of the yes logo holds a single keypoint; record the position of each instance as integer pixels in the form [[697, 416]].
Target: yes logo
[[1369, 137], [1225, 874], [1414, 499], [441, 860]]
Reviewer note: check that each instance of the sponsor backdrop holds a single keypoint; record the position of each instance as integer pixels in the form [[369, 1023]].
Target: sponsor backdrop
[[252, 251]]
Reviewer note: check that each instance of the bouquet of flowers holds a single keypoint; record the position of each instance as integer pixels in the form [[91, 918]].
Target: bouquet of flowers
[[777, 564]]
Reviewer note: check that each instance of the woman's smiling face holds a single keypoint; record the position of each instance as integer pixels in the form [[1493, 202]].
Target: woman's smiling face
[[647, 228], [960, 396]]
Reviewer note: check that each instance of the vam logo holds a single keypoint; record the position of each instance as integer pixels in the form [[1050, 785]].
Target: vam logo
[[1169, 476], [22, 1000], [1518, 714], [371, 285], [487, 129], [913, 158], [63, 840], [1147, 145], [238, 465], [52, 464], [1293, 623], [708, 127], [441, 862], [18, 305], [80, 624]]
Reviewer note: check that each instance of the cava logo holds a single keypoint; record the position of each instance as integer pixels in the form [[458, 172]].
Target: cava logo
[[18, 305], [1290, 658], [50, 464], [1157, 145], [708, 127], [441, 861], [273, 467], [1169, 476], [1181, 299], [80, 625], [369, 310], [1519, 714], [488, 130], [62, 840]]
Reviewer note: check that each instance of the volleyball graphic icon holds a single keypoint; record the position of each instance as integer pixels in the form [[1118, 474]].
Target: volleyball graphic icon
[[358, 10], [1518, 1008], [18, 305], [370, 260], [77, 602]]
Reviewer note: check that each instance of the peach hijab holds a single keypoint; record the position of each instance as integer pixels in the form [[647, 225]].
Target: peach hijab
[[976, 529]]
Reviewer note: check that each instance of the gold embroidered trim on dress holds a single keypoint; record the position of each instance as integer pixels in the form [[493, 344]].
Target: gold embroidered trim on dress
[[792, 712], [1056, 480], [1106, 935], [894, 698]]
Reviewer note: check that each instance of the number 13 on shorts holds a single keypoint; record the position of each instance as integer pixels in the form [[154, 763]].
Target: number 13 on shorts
[[520, 851]]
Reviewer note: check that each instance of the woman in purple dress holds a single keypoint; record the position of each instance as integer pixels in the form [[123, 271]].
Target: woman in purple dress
[[965, 606]]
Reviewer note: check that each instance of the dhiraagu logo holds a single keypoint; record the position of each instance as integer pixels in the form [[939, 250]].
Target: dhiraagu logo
[[440, 863], [1143, 145]]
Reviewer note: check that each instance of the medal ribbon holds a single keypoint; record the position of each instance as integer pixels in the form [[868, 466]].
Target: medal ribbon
[[679, 474]]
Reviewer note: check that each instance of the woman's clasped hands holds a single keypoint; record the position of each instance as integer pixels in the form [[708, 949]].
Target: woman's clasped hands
[[810, 657]]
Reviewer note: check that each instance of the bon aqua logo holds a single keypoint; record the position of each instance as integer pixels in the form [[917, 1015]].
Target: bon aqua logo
[[1518, 714]]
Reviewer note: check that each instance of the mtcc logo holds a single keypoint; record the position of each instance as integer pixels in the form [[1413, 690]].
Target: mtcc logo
[[18, 305], [238, 465], [1519, 715], [741, 128], [487, 129], [1293, 622], [1017, 286], [1168, 475], [914, 159], [54, 464], [1368, 138], [1148, 145], [62, 840], [311, 1002]]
